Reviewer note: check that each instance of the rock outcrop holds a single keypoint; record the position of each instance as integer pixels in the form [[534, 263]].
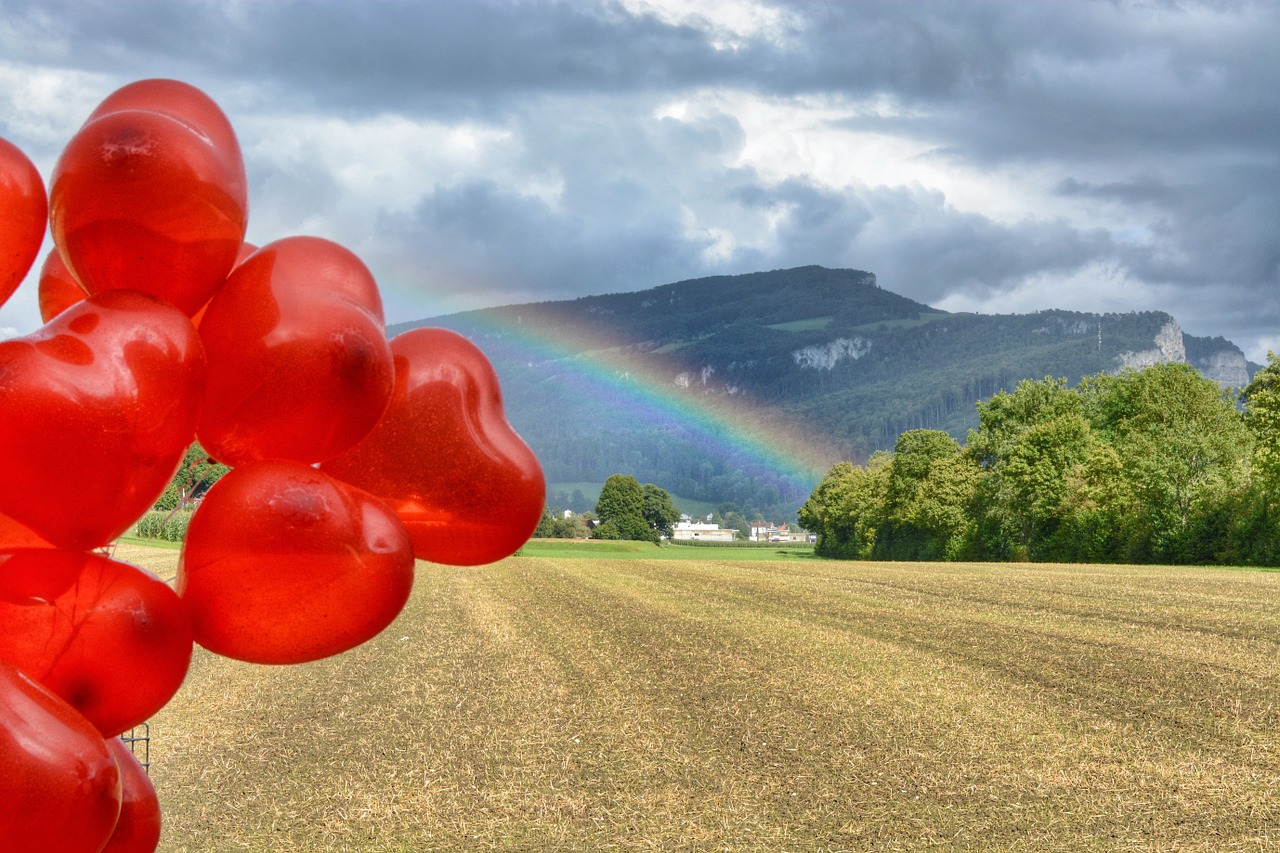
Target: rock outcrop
[[1168, 347], [827, 356]]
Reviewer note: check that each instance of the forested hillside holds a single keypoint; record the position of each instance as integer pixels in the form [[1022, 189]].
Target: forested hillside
[[816, 364]]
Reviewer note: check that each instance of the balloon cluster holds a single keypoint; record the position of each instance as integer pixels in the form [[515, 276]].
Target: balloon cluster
[[350, 455]]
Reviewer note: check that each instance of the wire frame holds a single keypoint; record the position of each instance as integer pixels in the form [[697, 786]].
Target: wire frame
[[138, 739]]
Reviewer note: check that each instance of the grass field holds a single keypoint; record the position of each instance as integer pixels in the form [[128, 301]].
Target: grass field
[[621, 703], [803, 325]]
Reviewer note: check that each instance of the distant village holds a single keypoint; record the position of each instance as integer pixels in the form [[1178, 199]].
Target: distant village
[[706, 530]]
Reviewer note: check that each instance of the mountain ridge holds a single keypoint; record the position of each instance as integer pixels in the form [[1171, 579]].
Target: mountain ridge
[[823, 360]]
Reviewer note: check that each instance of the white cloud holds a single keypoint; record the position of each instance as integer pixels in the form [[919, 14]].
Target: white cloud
[[340, 176], [731, 23]]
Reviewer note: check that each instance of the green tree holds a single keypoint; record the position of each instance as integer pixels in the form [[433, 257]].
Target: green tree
[[1099, 511], [927, 495], [620, 509], [1028, 444], [546, 525], [913, 454], [819, 514], [1254, 536], [1184, 446], [659, 511], [736, 521], [943, 507], [194, 476], [847, 507], [573, 527], [1262, 416]]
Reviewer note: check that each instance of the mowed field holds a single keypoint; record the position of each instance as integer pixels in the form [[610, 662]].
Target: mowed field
[[597, 703]]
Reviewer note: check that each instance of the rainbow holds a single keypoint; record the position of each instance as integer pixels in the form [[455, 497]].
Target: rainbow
[[760, 440]]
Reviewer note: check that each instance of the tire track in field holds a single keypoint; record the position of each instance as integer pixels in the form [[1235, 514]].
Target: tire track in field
[[580, 704], [1113, 666], [838, 759], [1162, 743]]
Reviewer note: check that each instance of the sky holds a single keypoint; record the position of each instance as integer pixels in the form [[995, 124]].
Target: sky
[[977, 155]]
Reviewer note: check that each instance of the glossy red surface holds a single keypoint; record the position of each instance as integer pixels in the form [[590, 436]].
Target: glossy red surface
[[246, 249], [15, 535], [299, 366], [178, 100], [23, 215], [150, 194], [59, 786], [466, 486], [58, 288], [112, 640], [138, 829], [99, 406], [284, 564]]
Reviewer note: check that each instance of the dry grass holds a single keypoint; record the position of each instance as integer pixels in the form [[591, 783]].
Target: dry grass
[[574, 704]]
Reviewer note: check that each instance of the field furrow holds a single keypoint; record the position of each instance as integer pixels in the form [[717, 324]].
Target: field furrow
[[638, 704]]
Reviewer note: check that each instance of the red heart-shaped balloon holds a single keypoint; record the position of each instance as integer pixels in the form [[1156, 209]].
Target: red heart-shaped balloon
[[151, 195], [109, 638], [138, 829], [58, 289], [23, 214], [97, 409], [59, 785], [466, 486], [299, 366], [178, 100], [15, 535], [246, 249], [284, 564]]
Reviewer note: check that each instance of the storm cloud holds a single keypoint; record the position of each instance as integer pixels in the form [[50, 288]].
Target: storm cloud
[[982, 155]]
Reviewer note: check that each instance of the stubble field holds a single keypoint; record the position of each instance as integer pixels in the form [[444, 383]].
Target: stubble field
[[562, 703]]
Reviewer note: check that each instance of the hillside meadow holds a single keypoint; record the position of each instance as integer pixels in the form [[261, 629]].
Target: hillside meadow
[[596, 700]]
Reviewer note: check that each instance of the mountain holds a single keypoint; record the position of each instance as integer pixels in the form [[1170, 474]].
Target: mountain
[[744, 389]]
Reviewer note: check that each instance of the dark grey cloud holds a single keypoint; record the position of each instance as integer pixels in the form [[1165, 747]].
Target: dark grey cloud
[[614, 220], [619, 146], [988, 80], [1219, 229], [373, 56], [480, 234], [918, 244], [1067, 60]]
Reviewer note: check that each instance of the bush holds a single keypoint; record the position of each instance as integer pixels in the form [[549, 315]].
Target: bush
[[573, 527], [169, 526]]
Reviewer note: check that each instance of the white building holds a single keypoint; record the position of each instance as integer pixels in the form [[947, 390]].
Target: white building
[[764, 532], [702, 531]]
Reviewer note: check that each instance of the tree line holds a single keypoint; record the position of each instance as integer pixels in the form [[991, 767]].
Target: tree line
[[1158, 465], [624, 510]]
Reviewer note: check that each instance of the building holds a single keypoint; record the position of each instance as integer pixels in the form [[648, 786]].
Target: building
[[702, 531], [762, 531]]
